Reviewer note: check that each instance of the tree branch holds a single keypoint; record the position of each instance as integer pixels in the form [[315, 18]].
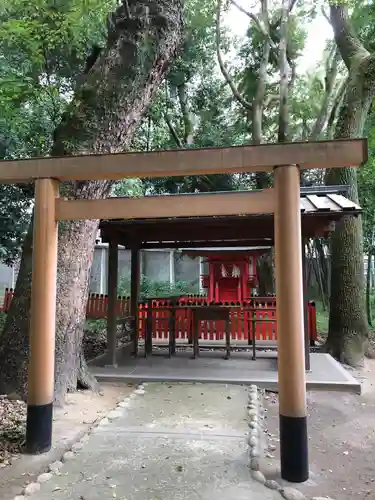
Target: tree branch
[[347, 41], [325, 14], [259, 97], [293, 73], [254, 18], [168, 121], [292, 3], [277, 23], [330, 77], [226, 75], [284, 74], [127, 9], [336, 107], [186, 115], [173, 131], [262, 28], [270, 99]]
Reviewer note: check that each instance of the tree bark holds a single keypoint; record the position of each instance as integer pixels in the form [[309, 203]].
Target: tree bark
[[262, 179], [266, 274], [284, 74], [368, 287], [109, 103], [348, 329], [186, 114], [329, 80]]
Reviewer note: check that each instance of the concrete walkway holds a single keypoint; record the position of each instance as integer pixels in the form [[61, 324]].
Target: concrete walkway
[[175, 442]]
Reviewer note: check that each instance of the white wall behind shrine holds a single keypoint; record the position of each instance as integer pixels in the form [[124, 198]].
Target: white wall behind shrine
[[157, 265]]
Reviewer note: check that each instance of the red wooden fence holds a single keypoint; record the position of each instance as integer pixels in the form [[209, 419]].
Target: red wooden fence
[[255, 315]]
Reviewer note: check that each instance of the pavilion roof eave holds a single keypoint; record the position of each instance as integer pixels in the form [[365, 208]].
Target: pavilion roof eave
[[127, 223], [225, 249], [244, 230], [319, 209]]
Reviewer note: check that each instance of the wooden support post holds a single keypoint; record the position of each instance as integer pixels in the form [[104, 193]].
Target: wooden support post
[[172, 327], [289, 303], [254, 326], [148, 339], [42, 320], [195, 334], [112, 302], [305, 307], [134, 296], [227, 338], [254, 314]]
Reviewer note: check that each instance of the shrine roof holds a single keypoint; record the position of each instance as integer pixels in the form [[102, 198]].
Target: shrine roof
[[321, 207]]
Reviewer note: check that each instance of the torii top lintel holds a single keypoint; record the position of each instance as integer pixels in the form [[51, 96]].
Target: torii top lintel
[[236, 159]]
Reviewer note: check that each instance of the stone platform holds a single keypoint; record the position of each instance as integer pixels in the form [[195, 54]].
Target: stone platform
[[210, 367]]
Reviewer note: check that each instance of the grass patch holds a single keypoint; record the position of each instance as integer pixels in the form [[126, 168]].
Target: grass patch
[[322, 317]]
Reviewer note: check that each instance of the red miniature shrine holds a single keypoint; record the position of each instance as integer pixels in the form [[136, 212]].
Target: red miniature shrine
[[232, 273]]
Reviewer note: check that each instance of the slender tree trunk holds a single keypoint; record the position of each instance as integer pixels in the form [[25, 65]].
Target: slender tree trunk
[[108, 105], [284, 74], [322, 268], [186, 115], [348, 328], [266, 274], [330, 78], [318, 275], [368, 287]]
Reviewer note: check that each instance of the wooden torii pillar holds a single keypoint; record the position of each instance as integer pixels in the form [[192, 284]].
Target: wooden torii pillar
[[290, 319], [42, 320]]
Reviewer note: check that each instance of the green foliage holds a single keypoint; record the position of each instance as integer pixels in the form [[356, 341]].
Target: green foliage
[[150, 288], [197, 54], [209, 119], [44, 45], [14, 219], [366, 187], [95, 326], [2, 321], [322, 316], [129, 187]]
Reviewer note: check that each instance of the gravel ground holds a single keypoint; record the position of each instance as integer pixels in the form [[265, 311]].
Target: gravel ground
[[341, 440], [12, 429], [13, 412]]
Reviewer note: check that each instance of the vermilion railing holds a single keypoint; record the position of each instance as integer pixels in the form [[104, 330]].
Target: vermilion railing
[[257, 315]]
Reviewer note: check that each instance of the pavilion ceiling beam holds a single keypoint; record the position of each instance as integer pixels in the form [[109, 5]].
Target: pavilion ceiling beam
[[189, 205], [245, 231], [246, 158], [205, 243]]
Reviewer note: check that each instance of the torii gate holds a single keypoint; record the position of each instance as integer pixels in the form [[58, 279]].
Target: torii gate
[[284, 160]]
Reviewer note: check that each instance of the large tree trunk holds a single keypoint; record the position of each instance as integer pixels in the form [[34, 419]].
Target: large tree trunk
[[348, 329], [108, 105]]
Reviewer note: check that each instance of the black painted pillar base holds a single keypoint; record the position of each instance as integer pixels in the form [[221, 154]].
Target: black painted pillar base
[[294, 449], [39, 428]]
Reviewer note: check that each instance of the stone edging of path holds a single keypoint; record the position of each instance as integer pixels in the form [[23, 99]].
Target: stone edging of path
[[54, 468], [254, 439]]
